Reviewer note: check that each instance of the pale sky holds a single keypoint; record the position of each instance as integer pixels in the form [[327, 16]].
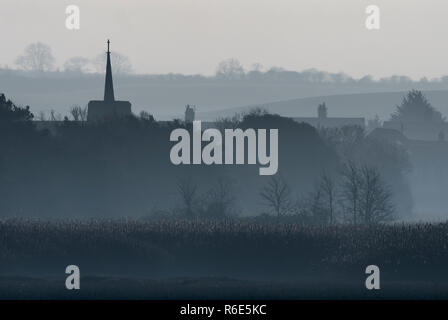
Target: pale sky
[[193, 36]]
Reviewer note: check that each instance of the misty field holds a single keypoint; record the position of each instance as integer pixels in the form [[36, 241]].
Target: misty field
[[258, 254]]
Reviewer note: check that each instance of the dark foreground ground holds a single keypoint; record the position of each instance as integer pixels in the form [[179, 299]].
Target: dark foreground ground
[[184, 259], [101, 287]]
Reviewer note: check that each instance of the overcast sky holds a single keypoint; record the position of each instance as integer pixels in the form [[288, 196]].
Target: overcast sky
[[192, 36]]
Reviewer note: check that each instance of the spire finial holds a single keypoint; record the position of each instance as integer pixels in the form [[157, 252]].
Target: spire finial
[[108, 43]]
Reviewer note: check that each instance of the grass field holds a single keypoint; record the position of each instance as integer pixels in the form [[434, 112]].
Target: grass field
[[235, 258]]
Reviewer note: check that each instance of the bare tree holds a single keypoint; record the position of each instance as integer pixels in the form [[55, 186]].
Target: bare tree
[[316, 207], [75, 112], [37, 57], [351, 188], [369, 199], [220, 199], [320, 202], [78, 113], [188, 192], [277, 195], [83, 114], [375, 198], [328, 187], [230, 69]]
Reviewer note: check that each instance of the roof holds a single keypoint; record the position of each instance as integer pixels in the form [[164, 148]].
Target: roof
[[331, 122]]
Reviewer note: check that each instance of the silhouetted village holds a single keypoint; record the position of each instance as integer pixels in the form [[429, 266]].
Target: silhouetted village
[[326, 214], [106, 161]]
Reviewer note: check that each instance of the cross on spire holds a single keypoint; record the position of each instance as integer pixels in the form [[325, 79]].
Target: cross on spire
[[108, 43]]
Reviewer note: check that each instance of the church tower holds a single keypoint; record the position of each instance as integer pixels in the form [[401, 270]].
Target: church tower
[[109, 108]]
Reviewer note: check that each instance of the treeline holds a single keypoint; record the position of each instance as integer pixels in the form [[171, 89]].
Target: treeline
[[274, 74], [38, 60], [363, 180], [123, 169]]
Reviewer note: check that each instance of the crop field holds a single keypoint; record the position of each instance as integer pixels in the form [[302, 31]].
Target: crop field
[[239, 257]]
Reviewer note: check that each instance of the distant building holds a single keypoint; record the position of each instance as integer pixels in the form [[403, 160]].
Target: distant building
[[322, 111], [419, 130], [189, 113], [109, 108], [323, 121]]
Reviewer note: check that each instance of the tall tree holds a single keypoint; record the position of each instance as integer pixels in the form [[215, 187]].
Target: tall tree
[[276, 195], [37, 57], [375, 197], [328, 187], [351, 189], [230, 69], [220, 199], [188, 192], [365, 194], [415, 107]]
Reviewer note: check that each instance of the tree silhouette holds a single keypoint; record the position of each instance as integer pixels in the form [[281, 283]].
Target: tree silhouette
[[219, 200], [276, 195], [188, 192], [230, 69], [368, 198], [351, 189], [415, 107], [37, 57], [78, 113], [9, 112], [375, 197], [328, 187], [321, 201]]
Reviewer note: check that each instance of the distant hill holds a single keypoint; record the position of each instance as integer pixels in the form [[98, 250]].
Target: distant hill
[[342, 105], [165, 97]]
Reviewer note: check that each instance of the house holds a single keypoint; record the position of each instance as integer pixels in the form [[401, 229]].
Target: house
[[323, 121]]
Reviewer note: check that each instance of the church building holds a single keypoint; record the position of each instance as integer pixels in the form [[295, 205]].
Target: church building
[[109, 108]]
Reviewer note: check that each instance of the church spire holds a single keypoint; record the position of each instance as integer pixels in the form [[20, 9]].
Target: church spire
[[109, 87]]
